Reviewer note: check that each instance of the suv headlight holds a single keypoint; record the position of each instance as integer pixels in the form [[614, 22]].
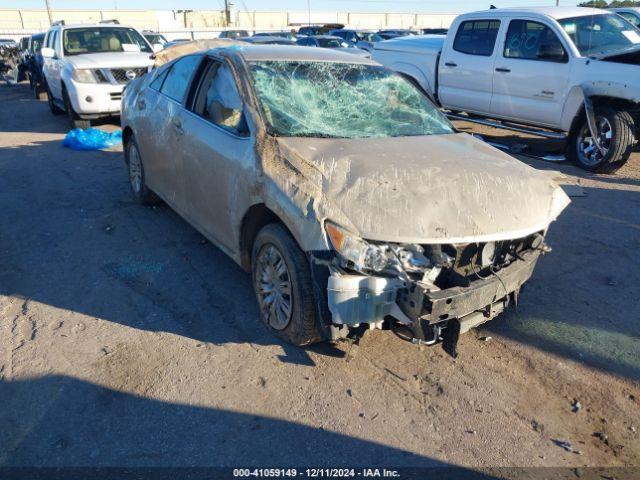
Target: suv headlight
[[362, 254], [84, 76]]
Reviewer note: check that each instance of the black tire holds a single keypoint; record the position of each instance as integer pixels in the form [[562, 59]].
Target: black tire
[[619, 145], [74, 119], [52, 104], [301, 329], [141, 193], [40, 92]]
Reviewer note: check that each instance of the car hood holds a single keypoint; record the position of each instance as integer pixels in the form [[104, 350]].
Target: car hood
[[111, 60], [429, 189]]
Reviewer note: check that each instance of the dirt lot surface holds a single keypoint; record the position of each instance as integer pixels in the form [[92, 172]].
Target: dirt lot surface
[[126, 339]]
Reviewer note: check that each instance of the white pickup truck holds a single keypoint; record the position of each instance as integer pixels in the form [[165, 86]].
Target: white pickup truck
[[556, 72]]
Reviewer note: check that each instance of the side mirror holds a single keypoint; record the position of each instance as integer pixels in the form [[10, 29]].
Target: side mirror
[[157, 47], [552, 52], [47, 52]]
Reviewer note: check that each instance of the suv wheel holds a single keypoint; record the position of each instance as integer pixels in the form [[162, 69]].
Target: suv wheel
[[283, 288], [141, 193], [74, 118], [615, 135], [52, 104]]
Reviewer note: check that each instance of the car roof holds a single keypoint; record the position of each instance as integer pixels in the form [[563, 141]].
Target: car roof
[[625, 9], [557, 13], [91, 25], [326, 37], [293, 53]]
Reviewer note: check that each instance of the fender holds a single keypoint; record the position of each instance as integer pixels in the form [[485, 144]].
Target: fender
[[579, 94]]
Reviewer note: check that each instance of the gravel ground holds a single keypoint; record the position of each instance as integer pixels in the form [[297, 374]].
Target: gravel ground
[[126, 339]]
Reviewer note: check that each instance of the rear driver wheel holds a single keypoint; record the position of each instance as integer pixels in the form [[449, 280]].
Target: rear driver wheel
[[137, 181]]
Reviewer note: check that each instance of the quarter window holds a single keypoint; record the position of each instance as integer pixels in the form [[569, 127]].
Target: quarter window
[[477, 37], [177, 80], [531, 41]]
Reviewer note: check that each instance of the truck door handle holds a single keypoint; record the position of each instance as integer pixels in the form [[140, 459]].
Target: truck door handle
[[504, 70], [450, 64], [142, 104], [178, 125]]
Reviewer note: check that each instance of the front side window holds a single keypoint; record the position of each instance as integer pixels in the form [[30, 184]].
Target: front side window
[[218, 100], [600, 34], [77, 41], [36, 45], [529, 40], [631, 18], [369, 36], [330, 43], [477, 37], [178, 79], [342, 100]]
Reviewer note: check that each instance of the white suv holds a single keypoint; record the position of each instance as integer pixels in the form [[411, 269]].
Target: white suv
[[86, 68]]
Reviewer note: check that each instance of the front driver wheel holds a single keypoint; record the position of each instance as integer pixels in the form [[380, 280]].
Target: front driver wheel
[[283, 287], [614, 134], [74, 119], [52, 104]]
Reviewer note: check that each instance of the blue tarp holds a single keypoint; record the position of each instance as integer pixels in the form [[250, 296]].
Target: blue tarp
[[91, 139]]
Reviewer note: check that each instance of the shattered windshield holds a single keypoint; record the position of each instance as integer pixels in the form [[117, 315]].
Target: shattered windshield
[[341, 100], [598, 34]]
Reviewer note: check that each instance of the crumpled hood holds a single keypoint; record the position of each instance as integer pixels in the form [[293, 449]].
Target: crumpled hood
[[111, 60], [429, 189]]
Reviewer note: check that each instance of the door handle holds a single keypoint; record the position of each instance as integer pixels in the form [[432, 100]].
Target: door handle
[[178, 125], [450, 64], [142, 104], [503, 70]]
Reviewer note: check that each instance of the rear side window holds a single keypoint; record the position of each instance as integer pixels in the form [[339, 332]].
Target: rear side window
[[477, 37], [529, 40], [176, 83]]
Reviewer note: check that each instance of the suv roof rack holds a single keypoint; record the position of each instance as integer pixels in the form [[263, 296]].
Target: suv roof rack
[[112, 21], [58, 22]]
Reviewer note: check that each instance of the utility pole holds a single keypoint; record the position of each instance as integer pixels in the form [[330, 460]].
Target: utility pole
[[309, 10], [227, 13], [46, 2]]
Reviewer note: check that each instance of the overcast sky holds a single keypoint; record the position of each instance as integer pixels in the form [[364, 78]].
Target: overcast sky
[[454, 6]]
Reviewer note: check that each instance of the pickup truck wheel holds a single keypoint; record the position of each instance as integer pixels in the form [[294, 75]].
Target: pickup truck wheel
[[137, 181], [52, 104], [283, 288], [615, 135], [74, 118]]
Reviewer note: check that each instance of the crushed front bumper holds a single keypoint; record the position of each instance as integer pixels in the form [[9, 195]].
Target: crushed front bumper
[[486, 295], [432, 315]]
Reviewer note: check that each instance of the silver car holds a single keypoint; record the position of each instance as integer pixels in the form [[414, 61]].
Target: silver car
[[351, 199]]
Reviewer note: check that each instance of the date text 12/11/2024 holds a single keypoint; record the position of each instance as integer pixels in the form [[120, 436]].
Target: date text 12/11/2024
[[315, 473]]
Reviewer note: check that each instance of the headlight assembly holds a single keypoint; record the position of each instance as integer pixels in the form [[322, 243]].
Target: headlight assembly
[[84, 76], [363, 255]]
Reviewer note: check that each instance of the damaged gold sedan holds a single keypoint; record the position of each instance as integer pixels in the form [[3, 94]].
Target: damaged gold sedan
[[348, 195]]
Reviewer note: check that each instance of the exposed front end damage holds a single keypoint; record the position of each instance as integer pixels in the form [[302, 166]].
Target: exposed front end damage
[[435, 292]]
